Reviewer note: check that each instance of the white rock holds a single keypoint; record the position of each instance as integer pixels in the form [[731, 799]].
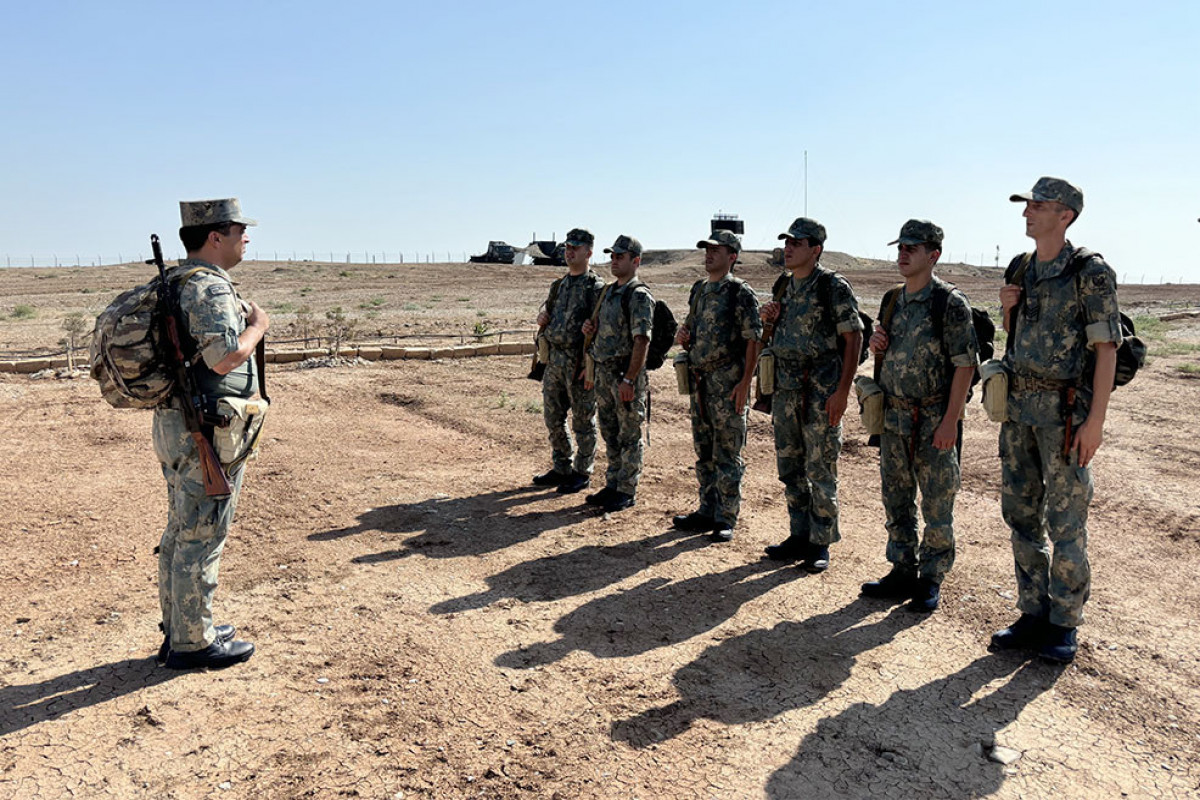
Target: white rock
[[1004, 755]]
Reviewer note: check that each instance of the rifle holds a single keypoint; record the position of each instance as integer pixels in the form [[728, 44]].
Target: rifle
[[216, 484]]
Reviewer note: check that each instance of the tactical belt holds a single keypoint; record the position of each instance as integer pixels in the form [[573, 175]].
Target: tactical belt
[[894, 401], [712, 366], [1028, 383]]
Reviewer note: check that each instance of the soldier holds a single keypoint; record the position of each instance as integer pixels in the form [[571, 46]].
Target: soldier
[[924, 405], [223, 332], [622, 339], [818, 336], [721, 333], [570, 303], [1061, 318]]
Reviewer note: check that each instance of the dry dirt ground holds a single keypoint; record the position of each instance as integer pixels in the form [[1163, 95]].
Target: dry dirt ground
[[430, 625]]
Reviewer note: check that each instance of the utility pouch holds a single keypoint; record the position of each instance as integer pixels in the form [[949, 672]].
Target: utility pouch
[[589, 369], [238, 441], [766, 373], [683, 373], [995, 389], [543, 350], [870, 404]]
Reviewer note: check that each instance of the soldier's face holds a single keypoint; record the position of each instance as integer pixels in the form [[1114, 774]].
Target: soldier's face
[[624, 265], [914, 259], [798, 253], [231, 247], [1044, 217], [577, 255], [718, 259]]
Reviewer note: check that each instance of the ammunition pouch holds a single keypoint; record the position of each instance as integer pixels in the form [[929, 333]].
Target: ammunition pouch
[[870, 404], [995, 389], [237, 440]]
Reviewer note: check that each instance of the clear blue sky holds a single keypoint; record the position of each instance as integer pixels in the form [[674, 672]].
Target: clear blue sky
[[381, 127]]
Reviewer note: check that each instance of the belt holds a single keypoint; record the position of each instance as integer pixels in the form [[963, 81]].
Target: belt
[[895, 401], [1029, 383], [712, 366]]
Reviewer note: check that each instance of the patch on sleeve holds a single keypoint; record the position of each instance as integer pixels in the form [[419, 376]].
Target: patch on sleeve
[[218, 289], [1100, 281]]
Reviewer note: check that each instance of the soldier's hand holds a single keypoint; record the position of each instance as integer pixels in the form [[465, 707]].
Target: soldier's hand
[[257, 318], [683, 336], [836, 407], [770, 312], [625, 392], [945, 436], [1010, 295], [589, 327], [739, 394], [588, 385], [879, 341], [1087, 441], [543, 319]]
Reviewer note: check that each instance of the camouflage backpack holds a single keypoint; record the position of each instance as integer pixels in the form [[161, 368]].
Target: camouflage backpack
[[128, 357]]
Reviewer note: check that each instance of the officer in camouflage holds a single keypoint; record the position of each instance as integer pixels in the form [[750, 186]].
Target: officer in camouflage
[[816, 355], [921, 428], [721, 334], [223, 331], [1059, 321], [569, 304], [622, 340]]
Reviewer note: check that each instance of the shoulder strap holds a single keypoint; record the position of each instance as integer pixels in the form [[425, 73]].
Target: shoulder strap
[[553, 298], [1015, 274], [887, 309], [939, 303]]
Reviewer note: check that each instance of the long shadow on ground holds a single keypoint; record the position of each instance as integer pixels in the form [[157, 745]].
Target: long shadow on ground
[[764, 673], [656, 613], [450, 527], [23, 706], [580, 571], [931, 741]]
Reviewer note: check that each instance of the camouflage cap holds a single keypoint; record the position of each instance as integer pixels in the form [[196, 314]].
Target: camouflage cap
[[919, 231], [805, 228], [1054, 190], [212, 212], [625, 244], [577, 237], [727, 238]]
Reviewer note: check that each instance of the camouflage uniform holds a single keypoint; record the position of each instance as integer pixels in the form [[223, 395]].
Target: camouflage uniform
[[914, 376], [621, 423], [1044, 493], [808, 367], [720, 321], [562, 386], [190, 549]]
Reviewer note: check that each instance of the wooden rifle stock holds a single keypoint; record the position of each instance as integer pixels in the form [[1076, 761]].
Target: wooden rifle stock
[[216, 483]]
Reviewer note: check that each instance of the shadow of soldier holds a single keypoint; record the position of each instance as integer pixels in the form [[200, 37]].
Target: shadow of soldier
[[764, 673], [585, 569], [23, 706], [932, 741], [450, 527], [656, 613]]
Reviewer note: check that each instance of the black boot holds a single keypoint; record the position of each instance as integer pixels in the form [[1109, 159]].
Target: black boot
[[899, 584], [1060, 644], [1027, 633], [575, 482], [618, 501], [550, 478], [694, 522], [817, 558], [792, 548], [925, 596], [224, 634], [216, 656]]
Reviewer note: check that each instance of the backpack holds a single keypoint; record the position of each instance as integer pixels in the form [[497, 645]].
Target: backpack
[[985, 329], [825, 293], [1131, 355], [662, 333], [128, 352]]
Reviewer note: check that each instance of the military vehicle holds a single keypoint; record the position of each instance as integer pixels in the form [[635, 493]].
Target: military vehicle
[[727, 222], [497, 253], [547, 253]]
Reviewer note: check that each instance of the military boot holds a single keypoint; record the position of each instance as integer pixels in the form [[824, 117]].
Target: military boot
[[575, 482], [925, 597], [224, 633], [1060, 644], [792, 548], [817, 558], [898, 584], [217, 655], [600, 498], [551, 477], [695, 522], [1026, 633]]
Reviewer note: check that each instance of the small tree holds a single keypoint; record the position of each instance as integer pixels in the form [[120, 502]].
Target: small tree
[[305, 325], [340, 328], [75, 326]]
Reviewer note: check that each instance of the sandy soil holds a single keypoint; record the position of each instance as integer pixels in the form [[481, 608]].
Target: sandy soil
[[430, 625]]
